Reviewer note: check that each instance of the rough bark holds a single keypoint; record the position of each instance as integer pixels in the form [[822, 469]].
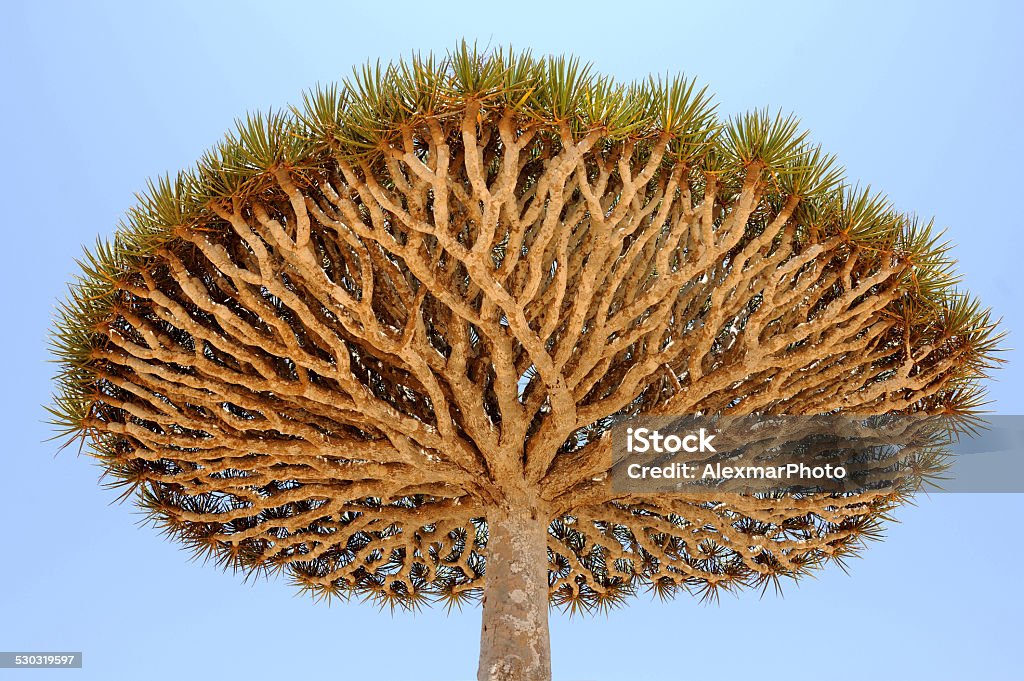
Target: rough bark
[[514, 642]]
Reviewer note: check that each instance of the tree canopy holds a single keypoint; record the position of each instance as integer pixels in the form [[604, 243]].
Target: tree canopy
[[360, 325]]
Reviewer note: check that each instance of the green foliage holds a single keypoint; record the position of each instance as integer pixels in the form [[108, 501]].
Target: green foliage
[[683, 113], [868, 218], [776, 142], [810, 173], [562, 88]]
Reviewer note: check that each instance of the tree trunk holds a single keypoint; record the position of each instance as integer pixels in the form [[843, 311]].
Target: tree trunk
[[514, 641]]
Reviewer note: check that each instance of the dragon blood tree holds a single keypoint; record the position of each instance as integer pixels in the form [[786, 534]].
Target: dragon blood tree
[[377, 342]]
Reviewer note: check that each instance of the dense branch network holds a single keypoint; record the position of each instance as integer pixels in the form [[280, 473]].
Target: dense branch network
[[340, 368]]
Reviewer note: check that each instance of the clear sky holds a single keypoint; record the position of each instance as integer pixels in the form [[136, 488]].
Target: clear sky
[[922, 100]]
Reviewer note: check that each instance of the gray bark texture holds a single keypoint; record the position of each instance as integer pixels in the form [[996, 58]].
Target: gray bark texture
[[514, 641]]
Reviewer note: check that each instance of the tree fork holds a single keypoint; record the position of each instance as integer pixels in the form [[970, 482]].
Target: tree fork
[[514, 640]]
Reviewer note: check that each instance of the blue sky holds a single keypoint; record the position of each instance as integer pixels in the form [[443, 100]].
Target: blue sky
[[921, 100]]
